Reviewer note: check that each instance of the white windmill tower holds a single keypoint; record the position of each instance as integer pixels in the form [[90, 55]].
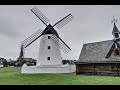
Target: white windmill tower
[[49, 56]]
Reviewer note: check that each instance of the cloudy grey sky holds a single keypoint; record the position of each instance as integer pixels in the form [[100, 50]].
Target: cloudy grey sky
[[92, 23]]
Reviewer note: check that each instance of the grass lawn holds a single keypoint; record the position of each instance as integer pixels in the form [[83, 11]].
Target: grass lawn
[[12, 76]]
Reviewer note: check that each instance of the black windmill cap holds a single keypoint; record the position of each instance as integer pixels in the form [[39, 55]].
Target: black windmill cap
[[50, 30]]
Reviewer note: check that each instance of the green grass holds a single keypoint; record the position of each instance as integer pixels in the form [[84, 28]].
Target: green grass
[[12, 76]]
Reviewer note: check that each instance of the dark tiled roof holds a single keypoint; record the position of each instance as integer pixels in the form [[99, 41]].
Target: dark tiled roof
[[2, 58], [96, 52], [50, 30]]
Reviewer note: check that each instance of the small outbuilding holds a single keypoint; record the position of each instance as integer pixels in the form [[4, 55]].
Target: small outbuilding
[[100, 57]]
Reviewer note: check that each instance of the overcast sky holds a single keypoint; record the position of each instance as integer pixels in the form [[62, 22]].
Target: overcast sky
[[92, 23]]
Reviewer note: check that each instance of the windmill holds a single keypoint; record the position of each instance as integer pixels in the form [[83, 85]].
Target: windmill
[[51, 43]]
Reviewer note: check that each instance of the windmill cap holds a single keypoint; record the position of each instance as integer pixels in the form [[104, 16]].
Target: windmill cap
[[50, 30]]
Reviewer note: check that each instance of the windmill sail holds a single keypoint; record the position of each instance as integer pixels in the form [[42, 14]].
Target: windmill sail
[[65, 48], [61, 44], [31, 38], [63, 21], [40, 15]]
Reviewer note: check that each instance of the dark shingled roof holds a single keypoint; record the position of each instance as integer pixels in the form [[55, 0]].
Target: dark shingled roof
[[96, 52]]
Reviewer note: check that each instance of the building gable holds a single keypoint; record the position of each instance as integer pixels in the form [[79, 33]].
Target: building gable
[[114, 51]]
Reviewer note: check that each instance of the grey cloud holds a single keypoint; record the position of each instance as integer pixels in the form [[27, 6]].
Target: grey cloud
[[91, 23], [8, 29]]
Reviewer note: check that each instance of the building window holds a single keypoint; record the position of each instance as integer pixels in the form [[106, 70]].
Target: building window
[[48, 47], [48, 37], [116, 35], [48, 58], [117, 52], [1, 62]]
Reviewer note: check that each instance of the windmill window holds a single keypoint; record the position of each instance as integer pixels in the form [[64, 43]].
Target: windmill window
[[48, 37], [48, 47], [48, 58], [116, 35]]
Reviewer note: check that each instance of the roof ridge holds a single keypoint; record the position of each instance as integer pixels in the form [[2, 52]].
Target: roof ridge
[[98, 41]]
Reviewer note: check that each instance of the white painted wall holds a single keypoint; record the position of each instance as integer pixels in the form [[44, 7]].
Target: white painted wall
[[1, 65], [54, 65], [54, 52], [48, 69]]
